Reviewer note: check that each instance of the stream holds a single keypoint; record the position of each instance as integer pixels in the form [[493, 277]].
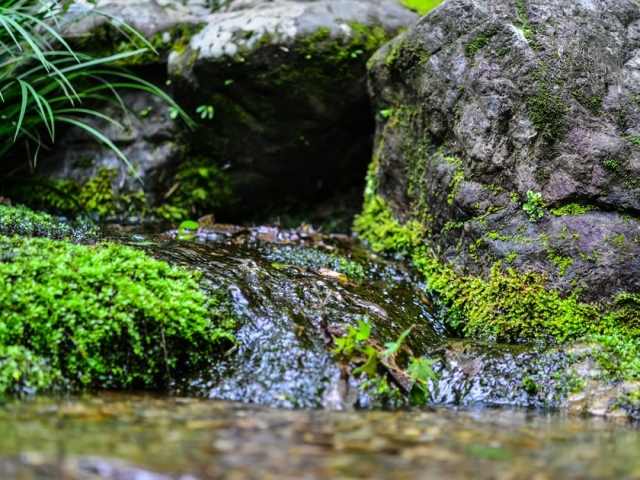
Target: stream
[[281, 405], [128, 437]]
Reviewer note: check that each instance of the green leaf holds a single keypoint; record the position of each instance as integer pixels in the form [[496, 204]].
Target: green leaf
[[420, 370], [371, 365], [393, 347], [188, 225], [364, 330]]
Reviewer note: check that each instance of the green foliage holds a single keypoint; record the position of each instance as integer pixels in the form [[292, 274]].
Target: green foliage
[[378, 226], [534, 205], [612, 165], [187, 230], [561, 261], [102, 316], [324, 57], [205, 111], [509, 306], [44, 83], [393, 347], [573, 209], [23, 371], [356, 343], [457, 178], [421, 6], [200, 186], [479, 42], [99, 195], [420, 372]]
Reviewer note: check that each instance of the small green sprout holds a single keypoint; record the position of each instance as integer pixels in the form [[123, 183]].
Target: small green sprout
[[205, 111], [534, 205], [173, 112], [187, 230]]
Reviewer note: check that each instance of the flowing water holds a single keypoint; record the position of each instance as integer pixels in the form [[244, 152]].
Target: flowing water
[[282, 406]]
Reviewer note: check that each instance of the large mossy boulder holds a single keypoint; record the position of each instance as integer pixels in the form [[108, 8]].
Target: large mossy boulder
[[508, 142], [279, 92]]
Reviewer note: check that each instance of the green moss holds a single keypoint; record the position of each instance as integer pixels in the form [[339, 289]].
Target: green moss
[[563, 262], [457, 178], [633, 139], [99, 195], [378, 226], [106, 40], [511, 256], [548, 112], [323, 58], [523, 23], [103, 316], [572, 209], [618, 240], [200, 186], [507, 306], [479, 42], [421, 6], [19, 220], [595, 105], [617, 170]]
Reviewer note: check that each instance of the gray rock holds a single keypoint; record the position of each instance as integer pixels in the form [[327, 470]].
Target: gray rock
[[286, 80], [491, 99]]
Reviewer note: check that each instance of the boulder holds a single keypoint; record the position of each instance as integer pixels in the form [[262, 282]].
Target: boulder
[[510, 130], [278, 89]]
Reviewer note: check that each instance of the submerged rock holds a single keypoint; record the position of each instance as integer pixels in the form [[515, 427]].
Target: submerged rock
[[293, 302], [510, 132]]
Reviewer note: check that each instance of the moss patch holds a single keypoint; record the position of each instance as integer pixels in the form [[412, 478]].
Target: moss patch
[[19, 220], [421, 6], [98, 196], [572, 209], [200, 187], [509, 306], [100, 316], [548, 112]]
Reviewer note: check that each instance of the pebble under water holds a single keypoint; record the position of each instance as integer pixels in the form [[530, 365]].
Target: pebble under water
[[128, 437]]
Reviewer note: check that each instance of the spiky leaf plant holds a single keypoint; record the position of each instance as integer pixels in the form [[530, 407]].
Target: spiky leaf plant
[[45, 83]]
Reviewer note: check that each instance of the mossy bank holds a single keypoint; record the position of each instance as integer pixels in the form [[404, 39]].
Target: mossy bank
[[99, 315]]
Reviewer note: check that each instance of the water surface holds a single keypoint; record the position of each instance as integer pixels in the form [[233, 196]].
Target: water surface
[[150, 438]]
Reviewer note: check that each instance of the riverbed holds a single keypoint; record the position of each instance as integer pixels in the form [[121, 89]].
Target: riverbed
[[118, 436]]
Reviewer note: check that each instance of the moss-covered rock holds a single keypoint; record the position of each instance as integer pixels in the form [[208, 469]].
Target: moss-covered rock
[[279, 92], [102, 315], [501, 132]]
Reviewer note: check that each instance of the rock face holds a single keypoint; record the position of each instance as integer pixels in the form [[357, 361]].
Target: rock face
[[487, 104], [280, 86]]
